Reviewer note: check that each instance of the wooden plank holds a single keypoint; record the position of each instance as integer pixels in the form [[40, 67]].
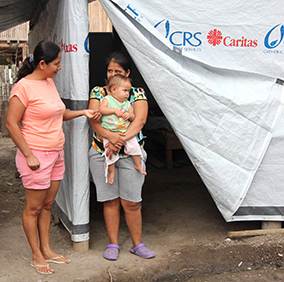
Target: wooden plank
[[168, 139], [19, 31], [4, 111], [247, 233], [173, 142], [5, 44], [98, 19], [271, 224], [151, 134]]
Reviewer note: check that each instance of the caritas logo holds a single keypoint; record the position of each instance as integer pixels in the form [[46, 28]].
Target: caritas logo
[[215, 37], [67, 48]]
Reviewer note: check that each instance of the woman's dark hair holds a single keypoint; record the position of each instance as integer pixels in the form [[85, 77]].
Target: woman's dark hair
[[120, 59], [45, 50]]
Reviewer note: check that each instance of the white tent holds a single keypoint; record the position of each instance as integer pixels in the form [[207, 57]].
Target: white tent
[[216, 71]]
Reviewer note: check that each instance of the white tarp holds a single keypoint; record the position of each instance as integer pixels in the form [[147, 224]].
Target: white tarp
[[212, 67], [66, 23], [71, 31]]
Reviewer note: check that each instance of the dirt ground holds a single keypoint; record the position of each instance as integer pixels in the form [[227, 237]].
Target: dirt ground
[[180, 222]]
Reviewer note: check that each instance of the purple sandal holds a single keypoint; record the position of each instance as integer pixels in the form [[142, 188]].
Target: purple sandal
[[142, 251], [111, 252]]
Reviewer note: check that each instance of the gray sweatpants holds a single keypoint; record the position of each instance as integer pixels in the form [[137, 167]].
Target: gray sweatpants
[[127, 183]]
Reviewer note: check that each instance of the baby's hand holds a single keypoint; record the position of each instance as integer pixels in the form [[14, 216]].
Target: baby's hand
[[125, 116], [118, 113]]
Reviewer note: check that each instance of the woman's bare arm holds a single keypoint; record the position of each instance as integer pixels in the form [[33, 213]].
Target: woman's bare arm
[[91, 114], [141, 113], [14, 116]]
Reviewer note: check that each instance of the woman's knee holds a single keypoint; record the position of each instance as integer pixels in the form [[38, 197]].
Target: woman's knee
[[32, 211], [112, 203], [48, 205], [130, 206]]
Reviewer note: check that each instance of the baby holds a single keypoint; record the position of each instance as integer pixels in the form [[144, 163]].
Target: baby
[[116, 116]]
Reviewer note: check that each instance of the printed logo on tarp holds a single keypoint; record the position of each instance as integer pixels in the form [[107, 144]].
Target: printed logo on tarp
[[215, 37], [67, 48], [186, 40], [86, 44], [132, 12], [273, 39]]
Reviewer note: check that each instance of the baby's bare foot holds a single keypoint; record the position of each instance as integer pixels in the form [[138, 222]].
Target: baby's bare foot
[[140, 169], [110, 178]]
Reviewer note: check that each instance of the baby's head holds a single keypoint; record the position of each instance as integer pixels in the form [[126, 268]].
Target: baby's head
[[119, 87]]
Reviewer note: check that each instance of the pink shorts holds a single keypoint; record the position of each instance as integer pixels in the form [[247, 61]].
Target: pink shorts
[[51, 168]]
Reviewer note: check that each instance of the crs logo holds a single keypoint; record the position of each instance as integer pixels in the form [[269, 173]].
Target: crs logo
[[179, 38], [272, 43]]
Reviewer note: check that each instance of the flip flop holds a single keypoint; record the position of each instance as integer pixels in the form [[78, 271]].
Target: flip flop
[[111, 252], [37, 266], [55, 260], [142, 251]]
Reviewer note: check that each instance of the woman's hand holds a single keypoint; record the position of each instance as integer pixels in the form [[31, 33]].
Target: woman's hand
[[92, 114], [112, 150], [116, 138], [32, 162]]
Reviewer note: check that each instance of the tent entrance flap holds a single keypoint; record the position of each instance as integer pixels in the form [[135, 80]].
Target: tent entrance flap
[[216, 86]]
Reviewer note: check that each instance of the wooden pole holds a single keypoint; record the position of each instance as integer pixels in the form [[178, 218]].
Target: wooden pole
[[81, 247], [247, 233]]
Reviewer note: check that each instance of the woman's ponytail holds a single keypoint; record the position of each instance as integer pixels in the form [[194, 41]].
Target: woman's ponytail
[[26, 68], [45, 50]]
